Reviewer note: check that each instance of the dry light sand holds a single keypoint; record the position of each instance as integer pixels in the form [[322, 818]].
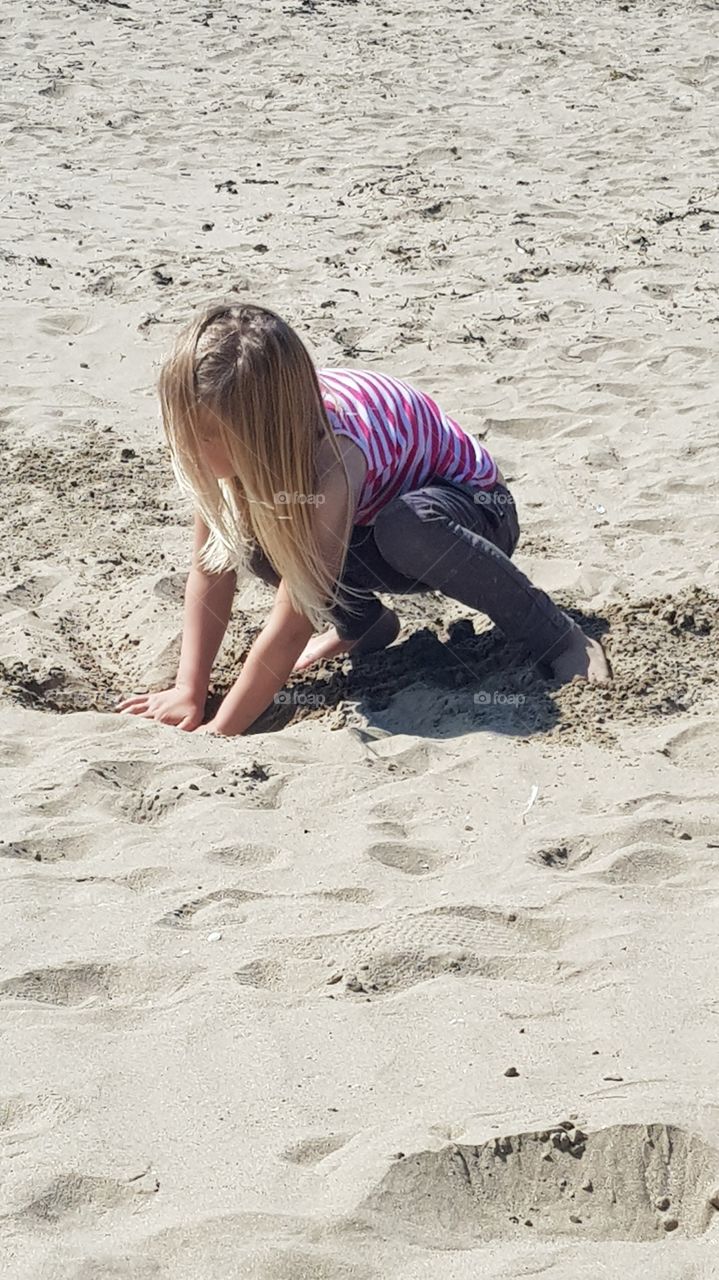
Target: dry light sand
[[421, 982]]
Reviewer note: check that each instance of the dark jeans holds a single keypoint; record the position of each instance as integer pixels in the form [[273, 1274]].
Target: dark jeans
[[449, 538]]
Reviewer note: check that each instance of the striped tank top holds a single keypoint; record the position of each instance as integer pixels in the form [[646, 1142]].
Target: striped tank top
[[405, 437]]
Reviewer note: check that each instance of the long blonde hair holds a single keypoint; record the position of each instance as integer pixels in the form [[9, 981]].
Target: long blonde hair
[[247, 370]]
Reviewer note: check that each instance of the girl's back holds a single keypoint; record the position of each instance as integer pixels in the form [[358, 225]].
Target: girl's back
[[405, 437]]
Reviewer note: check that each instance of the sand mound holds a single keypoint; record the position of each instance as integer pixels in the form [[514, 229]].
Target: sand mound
[[627, 1182]]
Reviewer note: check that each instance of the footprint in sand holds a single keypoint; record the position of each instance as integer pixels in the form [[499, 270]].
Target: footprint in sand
[[647, 852], [23, 1118], [13, 753], [46, 849], [78, 985], [627, 1182], [452, 942], [349, 893], [398, 852], [655, 799], [412, 859], [82, 1197], [29, 594], [244, 855], [263, 973], [63, 322], [171, 587], [221, 907], [563, 856], [119, 785], [293, 1264], [142, 878], [311, 1150], [142, 793], [694, 748], [230, 1246]]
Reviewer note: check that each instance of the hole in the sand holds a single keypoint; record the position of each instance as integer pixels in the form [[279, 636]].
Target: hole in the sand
[[447, 677], [626, 1182]]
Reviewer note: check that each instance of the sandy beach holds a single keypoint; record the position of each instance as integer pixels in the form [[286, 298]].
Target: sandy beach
[[418, 979]]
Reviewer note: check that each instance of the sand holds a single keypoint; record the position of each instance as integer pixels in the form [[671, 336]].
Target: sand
[[418, 979]]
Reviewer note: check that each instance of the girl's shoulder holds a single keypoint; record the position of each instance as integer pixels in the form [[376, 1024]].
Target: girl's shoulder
[[343, 387]]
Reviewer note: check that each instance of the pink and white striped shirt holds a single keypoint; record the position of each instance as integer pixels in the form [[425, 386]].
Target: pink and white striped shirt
[[404, 435]]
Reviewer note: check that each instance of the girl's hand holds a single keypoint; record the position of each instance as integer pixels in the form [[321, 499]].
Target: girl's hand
[[178, 706]]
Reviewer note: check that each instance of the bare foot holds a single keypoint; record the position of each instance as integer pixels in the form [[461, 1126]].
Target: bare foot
[[584, 658], [331, 645]]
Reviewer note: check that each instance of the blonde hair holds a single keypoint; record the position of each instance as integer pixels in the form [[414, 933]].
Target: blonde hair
[[248, 370]]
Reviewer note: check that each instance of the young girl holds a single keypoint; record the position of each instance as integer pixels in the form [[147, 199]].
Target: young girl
[[330, 485]]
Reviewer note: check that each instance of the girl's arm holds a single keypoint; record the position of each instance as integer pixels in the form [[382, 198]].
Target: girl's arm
[[208, 604], [280, 643], [208, 601], [267, 666]]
